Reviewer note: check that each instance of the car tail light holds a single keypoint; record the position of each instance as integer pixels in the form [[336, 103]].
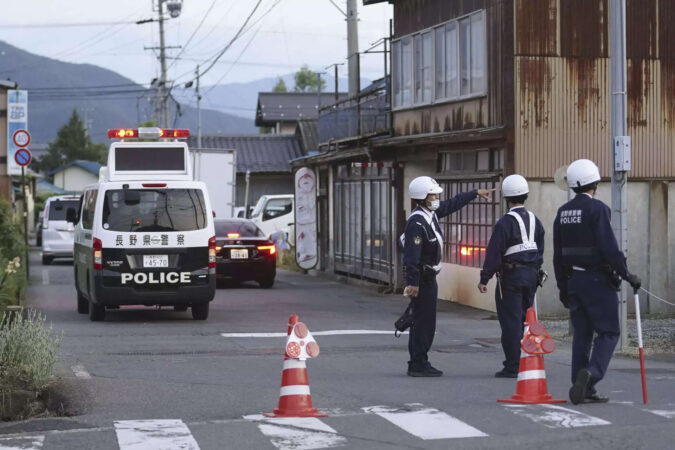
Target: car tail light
[[212, 252], [98, 254], [469, 251], [154, 185], [232, 235], [271, 248]]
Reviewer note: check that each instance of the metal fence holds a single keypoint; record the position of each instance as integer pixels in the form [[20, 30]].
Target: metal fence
[[367, 114]]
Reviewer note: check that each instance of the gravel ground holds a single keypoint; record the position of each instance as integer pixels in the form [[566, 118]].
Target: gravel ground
[[658, 335]]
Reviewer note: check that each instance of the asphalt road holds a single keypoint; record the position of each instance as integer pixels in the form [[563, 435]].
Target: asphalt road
[[147, 378]]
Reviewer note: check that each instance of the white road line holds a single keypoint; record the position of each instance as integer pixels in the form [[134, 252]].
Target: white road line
[[22, 443], [45, 277], [553, 416], [425, 423], [80, 372], [298, 433], [166, 434], [662, 413], [314, 333]]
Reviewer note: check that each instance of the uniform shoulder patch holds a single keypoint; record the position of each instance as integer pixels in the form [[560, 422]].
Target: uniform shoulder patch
[[417, 240]]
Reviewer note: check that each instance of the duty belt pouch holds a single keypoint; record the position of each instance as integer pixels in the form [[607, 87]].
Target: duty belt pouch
[[405, 321], [613, 277]]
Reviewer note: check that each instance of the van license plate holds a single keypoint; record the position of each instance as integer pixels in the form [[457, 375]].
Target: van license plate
[[155, 260], [239, 253]]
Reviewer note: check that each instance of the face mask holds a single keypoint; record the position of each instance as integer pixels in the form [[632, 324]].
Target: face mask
[[433, 205]]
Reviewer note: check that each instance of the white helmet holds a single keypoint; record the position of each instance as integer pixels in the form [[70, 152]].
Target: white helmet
[[582, 172], [420, 187], [514, 186]]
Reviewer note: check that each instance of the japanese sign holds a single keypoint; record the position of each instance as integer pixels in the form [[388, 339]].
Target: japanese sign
[[17, 119]]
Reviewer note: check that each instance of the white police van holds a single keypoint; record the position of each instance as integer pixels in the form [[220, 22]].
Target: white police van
[[144, 235]]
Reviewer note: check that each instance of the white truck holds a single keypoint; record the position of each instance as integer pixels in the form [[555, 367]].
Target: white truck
[[217, 168], [275, 213]]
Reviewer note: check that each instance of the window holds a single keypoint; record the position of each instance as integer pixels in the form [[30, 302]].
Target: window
[[154, 210], [88, 209], [467, 232], [423, 67], [58, 208], [470, 161], [277, 207], [243, 228], [446, 63]]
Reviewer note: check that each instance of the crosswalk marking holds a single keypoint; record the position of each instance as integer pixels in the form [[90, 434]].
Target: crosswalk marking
[[662, 413], [170, 434], [554, 416], [22, 443], [425, 423], [297, 433]]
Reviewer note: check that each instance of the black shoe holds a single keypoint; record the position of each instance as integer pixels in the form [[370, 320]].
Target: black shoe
[[428, 372], [595, 398], [505, 374], [578, 390]]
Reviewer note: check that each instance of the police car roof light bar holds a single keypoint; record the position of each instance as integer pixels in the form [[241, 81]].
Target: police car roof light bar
[[148, 133]]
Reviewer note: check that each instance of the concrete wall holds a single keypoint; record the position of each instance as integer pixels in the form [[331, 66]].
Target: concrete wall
[[74, 179]]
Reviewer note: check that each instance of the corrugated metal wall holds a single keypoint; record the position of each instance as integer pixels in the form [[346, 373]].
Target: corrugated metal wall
[[562, 95]]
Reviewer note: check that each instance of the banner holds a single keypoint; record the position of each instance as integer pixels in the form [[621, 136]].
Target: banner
[[17, 119], [305, 218]]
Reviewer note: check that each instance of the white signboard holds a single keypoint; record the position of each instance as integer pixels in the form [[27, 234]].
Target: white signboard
[[306, 249], [17, 119]]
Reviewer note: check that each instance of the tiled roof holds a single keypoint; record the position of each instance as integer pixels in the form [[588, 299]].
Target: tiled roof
[[256, 152], [307, 132], [276, 107]]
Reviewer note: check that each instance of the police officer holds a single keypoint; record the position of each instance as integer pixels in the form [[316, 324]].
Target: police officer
[[588, 264], [422, 249], [515, 253]]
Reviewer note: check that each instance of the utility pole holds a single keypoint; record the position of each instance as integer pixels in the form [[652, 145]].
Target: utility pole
[[199, 111], [620, 145], [162, 91], [353, 48]]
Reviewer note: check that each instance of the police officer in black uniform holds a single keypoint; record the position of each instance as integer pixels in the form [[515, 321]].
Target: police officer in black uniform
[[515, 253], [422, 249], [588, 264]]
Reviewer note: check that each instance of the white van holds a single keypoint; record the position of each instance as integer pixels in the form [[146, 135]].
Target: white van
[[144, 235], [57, 232], [275, 213]]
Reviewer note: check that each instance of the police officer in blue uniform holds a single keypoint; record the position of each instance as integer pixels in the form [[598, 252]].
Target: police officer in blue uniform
[[422, 250], [515, 253], [588, 268]]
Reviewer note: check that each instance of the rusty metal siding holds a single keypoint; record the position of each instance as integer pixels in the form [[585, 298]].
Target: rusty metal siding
[[536, 34], [562, 103]]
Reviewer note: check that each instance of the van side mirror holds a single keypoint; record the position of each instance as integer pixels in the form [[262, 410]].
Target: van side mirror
[[71, 215]]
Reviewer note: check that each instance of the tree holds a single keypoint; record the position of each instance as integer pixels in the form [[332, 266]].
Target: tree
[[307, 81], [280, 86], [71, 143]]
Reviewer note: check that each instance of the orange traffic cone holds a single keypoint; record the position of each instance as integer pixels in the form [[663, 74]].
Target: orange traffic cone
[[531, 386], [295, 399]]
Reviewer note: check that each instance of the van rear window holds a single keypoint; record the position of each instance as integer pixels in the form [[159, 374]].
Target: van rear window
[[58, 208], [154, 210]]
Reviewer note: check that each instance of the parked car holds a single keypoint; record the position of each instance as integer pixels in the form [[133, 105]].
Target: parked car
[[38, 228], [239, 211], [243, 252], [275, 213], [57, 233]]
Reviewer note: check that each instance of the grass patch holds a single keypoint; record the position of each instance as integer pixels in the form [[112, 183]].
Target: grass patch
[[286, 260]]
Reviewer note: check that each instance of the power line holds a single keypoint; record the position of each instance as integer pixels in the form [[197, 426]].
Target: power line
[[213, 3], [234, 63]]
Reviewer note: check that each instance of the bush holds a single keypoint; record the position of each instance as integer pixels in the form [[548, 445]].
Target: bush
[[28, 351], [12, 282]]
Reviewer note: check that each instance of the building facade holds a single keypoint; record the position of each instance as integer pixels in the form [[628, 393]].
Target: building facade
[[481, 89]]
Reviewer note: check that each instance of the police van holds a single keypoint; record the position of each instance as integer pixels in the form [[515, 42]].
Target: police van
[[144, 234]]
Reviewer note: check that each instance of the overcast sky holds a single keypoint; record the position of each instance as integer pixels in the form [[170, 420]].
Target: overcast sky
[[282, 35]]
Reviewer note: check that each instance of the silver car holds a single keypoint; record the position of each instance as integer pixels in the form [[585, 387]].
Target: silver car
[[57, 232]]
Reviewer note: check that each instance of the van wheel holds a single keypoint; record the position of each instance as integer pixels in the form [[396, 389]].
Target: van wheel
[[200, 311], [82, 303], [46, 260], [266, 282], [96, 312], [180, 307]]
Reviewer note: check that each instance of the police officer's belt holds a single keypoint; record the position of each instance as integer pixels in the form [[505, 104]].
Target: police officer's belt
[[515, 265]]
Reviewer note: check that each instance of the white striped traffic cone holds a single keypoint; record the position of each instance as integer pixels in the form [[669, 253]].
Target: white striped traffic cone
[[295, 399]]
